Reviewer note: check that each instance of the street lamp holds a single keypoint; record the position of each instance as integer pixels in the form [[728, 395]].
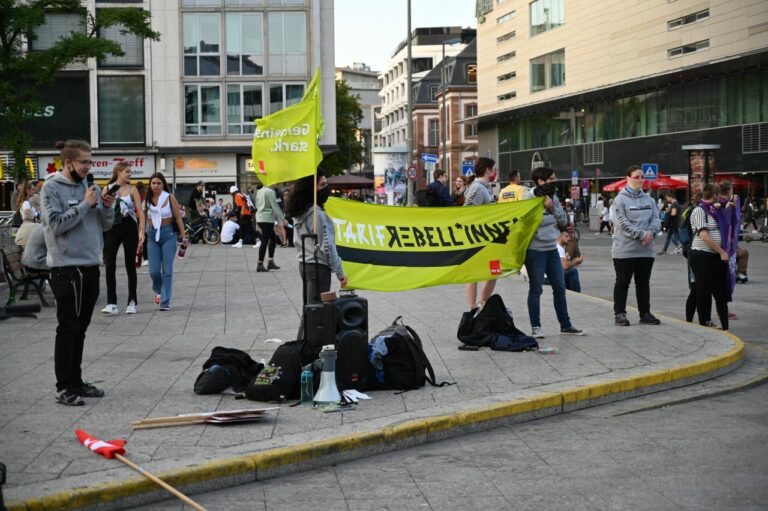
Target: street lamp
[[443, 80]]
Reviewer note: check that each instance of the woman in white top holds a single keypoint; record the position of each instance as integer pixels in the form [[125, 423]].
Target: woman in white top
[[128, 231], [162, 210], [28, 204], [708, 259]]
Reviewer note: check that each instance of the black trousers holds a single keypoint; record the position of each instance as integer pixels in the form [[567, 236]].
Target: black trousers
[[711, 281], [246, 228], [235, 238], [268, 240], [76, 290], [638, 268], [125, 233]]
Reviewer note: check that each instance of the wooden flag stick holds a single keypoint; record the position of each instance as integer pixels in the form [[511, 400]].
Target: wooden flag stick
[[161, 483]]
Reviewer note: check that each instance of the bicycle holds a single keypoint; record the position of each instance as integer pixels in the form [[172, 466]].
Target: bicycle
[[201, 231]]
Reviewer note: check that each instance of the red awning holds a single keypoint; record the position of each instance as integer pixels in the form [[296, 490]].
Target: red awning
[[661, 183]]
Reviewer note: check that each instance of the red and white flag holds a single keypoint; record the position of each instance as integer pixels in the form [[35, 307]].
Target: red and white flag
[[107, 449]]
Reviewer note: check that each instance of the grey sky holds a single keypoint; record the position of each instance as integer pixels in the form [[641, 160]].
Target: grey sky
[[369, 31]]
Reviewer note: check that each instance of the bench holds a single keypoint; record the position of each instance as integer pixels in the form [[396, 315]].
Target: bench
[[17, 275]]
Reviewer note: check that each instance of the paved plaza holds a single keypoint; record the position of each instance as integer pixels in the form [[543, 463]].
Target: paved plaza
[[147, 364]]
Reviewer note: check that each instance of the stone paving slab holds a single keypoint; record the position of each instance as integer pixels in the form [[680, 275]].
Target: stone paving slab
[[147, 364]]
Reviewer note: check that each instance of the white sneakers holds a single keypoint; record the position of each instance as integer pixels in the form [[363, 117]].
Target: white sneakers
[[239, 244], [131, 309], [111, 309]]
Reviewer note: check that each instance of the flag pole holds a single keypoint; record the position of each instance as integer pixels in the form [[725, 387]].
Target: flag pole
[[161, 483]]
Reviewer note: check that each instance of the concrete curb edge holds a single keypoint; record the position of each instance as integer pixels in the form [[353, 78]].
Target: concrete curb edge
[[285, 460]]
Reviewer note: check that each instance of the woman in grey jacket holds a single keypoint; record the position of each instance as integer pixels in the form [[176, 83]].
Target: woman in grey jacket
[[542, 256], [636, 222]]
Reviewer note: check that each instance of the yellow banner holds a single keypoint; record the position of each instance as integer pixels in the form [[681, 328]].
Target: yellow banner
[[387, 248]]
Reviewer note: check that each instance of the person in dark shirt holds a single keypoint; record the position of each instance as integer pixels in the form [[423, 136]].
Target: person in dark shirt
[[196, 202], [673, 225], [442, 196]]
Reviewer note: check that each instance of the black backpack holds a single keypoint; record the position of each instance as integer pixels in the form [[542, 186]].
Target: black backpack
[[226, 367], [494, 327], [404, 365], [280, 380], [426, 197]]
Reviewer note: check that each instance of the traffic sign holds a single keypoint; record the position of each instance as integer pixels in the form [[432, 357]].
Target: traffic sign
[[574, 177], [429, 158], [411, 172], [429, 166], [650, 171], [468, 168], [585, 183], [597, 172]]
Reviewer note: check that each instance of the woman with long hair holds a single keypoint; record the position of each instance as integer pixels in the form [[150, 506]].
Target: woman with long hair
[[128, 231], [162, 209], [477, 192]]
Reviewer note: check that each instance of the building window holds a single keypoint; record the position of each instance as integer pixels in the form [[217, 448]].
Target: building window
[[506, 76], [421, 64], [507, 96], [470, 127], [245, 102], [131, 44], [687, 20], [200, 3], [287, 43], [202, 109], [243, 3], [688, 48], [505, 37], [546, 15], [245, 49], [434, 133], [506, 17], [282, 95], [55, 27], [433, 90], [548, 71], [505, 57], [121, 109], [471, 73], [286, 2], [202, 43]]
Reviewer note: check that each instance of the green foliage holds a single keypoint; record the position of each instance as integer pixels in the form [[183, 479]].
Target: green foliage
[[23, 73], [348, 118]]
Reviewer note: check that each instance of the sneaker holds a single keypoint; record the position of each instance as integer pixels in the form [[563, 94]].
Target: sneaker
[[649, 319], [536, 333], [621, 319], [87, 390], [68, 398], [239, 244], [261, 268], [145, 263], [272, 266], [131, 308], [732, 315], [572, 330], [661, 253], [711, 324], [164, 308], [157, 299], [678, 250], [111, 309]]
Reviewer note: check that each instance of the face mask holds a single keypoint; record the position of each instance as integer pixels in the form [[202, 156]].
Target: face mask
[[635, 184], [548, 189], [74, 175], [322, 195]]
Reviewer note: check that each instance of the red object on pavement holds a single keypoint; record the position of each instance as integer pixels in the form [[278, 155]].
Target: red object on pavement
[[662, 182], [107, 449]]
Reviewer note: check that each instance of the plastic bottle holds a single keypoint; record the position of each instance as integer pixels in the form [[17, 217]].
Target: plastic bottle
[[183, 248], [307, 387], [551, 350], [139, 256]]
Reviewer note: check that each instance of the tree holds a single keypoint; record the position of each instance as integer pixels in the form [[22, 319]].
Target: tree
[[348, 118], [23, 72]]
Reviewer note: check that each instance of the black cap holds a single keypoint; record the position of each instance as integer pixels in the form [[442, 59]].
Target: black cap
[[231, 214], [200, 183]]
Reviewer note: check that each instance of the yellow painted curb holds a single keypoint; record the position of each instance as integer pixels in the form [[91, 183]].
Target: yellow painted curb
[[285, 456]]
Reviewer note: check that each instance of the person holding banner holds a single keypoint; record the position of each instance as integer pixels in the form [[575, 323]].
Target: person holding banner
[[542, 256], [477, 193], [302, 210]]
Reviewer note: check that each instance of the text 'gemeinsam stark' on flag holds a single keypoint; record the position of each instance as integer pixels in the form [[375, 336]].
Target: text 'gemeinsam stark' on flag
[[280, 145]]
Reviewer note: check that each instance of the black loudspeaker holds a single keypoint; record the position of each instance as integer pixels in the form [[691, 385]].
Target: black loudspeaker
[[351, 339], [320, 324]]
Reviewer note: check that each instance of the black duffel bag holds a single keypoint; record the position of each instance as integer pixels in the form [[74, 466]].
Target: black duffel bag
[[494, 327]]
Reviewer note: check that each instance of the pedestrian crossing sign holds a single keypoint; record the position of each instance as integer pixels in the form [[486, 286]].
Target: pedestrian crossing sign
[[650, 170]]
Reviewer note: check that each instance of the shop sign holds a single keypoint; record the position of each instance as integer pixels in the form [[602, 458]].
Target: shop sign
[[142, 165], [205, 166]]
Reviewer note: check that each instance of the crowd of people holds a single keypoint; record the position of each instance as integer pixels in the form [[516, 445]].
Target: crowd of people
[[70, 227]]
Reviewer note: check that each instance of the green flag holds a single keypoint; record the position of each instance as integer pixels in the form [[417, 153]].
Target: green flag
[[285, 143]]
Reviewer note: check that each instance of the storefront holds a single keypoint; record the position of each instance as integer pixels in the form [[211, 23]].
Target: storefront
[[218, 171]]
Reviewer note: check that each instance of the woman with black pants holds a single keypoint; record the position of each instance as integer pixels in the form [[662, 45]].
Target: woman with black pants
[[709, 261], [268, 215], [128, 231]]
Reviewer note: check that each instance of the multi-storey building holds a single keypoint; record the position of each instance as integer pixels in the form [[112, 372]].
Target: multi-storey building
[[593, 87], [389, 143], [364, 84], [451, 84], [185, 104]]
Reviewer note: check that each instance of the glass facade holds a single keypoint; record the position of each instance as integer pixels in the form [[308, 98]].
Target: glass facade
[[245, 102], [546, 15], [287, 43], [739, 98], [56, 26], [202, 43], [548, 71], [245, 49], [121, 110], [202, 109], [132, 45], [282, 95]]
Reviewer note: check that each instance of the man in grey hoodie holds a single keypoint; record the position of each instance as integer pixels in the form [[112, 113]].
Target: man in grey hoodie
[[74, 217], [542, 256]]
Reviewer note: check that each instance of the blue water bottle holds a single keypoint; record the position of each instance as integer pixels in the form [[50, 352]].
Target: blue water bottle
[[307, 387]]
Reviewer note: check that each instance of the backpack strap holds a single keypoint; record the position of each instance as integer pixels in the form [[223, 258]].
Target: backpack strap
[[414, 343]]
